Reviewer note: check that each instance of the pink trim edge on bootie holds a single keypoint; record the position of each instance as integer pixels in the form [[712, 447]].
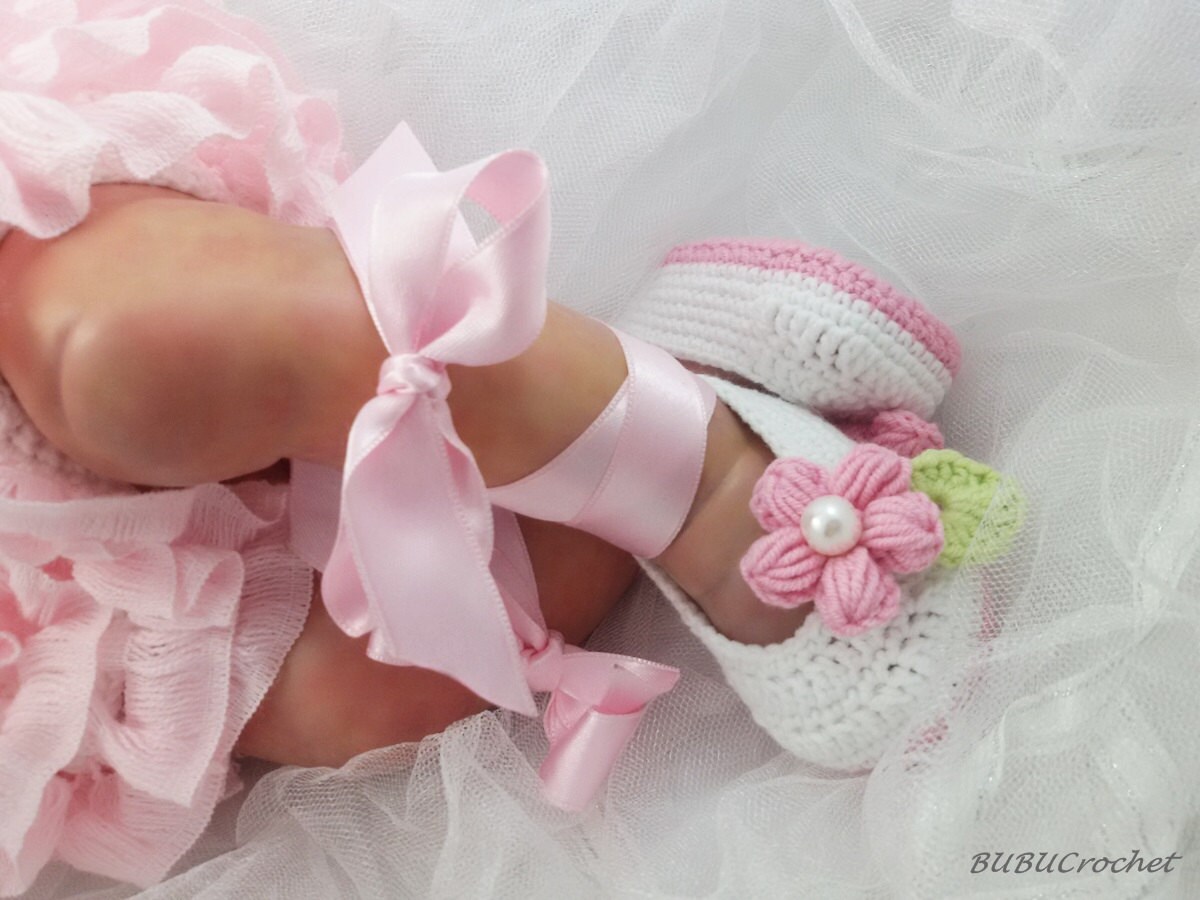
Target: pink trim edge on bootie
[[828, 266]]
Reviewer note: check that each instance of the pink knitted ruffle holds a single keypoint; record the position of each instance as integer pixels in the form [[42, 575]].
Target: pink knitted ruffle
[[178, 94], [138, 631]]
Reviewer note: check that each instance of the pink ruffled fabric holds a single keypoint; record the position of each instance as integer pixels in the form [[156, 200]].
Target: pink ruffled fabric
[[177, 94], [138, 631]]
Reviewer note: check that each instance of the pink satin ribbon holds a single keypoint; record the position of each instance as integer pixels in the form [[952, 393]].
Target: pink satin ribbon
[[412, 552], [631, 477], [596, 699]]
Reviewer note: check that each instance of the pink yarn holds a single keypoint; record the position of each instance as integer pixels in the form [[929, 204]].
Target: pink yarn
[[854, 591], [836, 270], [896, 429]]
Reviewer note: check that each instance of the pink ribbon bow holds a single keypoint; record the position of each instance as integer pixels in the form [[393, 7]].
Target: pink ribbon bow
[[596, 699], [408, 560], [412, 551]]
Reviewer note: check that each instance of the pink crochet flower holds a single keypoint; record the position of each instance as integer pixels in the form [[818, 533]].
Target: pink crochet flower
[[836, 537]]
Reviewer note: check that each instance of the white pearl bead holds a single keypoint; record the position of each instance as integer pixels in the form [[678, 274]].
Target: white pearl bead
[[831, 525]]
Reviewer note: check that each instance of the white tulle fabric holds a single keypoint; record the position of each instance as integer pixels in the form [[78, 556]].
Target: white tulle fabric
[[1028, 168], [138, 630]]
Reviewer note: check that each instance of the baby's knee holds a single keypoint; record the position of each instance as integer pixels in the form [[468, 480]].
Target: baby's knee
[[117, 338], [39, 299]]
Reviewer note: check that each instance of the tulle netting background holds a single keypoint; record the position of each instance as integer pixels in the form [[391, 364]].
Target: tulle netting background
[[1031, 170]]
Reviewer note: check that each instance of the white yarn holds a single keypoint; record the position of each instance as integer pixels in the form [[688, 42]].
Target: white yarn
[[794, 334], [788, 429], [832, 701]]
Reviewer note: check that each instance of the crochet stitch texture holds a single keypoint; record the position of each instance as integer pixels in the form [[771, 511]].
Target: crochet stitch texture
[[855, 589], [807, 324], [833, 700]]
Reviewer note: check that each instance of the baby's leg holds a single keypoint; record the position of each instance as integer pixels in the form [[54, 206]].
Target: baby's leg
[[168, 312], [153, 342], [288, 380], [171, 341], [330, 701]]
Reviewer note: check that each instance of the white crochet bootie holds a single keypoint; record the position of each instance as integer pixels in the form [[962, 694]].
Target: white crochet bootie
[[831, 700], [842, 519], [803, 322], [817, 331], [841, 688]]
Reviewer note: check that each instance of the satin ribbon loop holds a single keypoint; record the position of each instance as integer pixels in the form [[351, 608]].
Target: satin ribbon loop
[[416, 556], [411, 561], [409, 373], [596, 703]]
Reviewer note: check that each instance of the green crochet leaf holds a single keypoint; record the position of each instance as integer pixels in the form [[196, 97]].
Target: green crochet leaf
[[981, 509]]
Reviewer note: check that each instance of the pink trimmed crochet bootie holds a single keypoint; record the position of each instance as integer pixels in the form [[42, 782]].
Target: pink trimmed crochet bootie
[[803, 322]]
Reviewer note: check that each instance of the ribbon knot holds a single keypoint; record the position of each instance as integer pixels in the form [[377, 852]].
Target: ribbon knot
[[544, 667], [411, 373], [408, 558]]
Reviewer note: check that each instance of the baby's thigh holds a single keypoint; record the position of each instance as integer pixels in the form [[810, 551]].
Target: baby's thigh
[[331, 702]]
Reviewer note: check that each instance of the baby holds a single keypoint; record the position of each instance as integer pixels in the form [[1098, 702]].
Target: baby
[[230, 392], [265, 351]]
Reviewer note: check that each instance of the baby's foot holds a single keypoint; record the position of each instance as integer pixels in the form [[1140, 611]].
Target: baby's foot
[[835, 693], [704, 559], [314, 714], [708, 559]]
